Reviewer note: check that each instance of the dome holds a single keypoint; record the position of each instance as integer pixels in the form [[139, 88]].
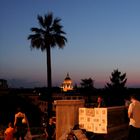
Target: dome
[[67, 78], [67, 84]]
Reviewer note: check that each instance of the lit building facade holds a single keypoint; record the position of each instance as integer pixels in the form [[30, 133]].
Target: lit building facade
[[67, 84]]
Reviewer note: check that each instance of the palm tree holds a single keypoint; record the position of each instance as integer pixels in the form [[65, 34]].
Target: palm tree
[[47, 36]]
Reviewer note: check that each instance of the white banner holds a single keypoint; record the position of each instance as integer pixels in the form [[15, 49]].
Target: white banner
[[93, 119]]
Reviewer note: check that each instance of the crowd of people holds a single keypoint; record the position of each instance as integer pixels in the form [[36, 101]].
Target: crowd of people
[[20, 130], [20, 127]]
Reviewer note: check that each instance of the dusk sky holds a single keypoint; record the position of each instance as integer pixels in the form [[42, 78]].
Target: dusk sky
[[103, 35]]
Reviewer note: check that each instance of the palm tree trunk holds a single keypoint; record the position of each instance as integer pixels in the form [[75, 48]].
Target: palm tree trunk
[[49, 80], [49, 71]]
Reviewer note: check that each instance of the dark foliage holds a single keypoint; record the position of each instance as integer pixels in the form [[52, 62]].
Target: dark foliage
[[116, 90], [10, 103], [117, 80], [87, 83]]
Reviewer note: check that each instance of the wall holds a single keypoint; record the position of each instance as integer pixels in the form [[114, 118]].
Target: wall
[[66, 116]]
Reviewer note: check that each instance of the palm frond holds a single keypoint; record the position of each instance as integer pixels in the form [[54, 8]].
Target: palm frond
[[48, 19], [50, 33], [60, 41], [41, 21], [56, 21], [36, 30], [36, 41], [57, 28]]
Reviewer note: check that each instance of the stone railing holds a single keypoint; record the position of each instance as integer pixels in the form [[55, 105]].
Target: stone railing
[[117, 123]]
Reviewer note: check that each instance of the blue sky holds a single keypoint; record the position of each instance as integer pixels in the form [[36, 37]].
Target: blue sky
[[103, 35]]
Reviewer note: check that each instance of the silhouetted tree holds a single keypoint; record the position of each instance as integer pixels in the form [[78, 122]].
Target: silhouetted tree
[[117, 80], [116, 88], [75, 87], [47, 36], [87, 88], [87, 83]]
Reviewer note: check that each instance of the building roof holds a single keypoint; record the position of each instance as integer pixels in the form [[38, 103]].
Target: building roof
[[67, 77]]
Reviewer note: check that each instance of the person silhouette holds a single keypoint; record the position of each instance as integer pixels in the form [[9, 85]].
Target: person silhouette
[[134, 116], [8, 134], [100, 102], [50, 130], [21, 124]]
